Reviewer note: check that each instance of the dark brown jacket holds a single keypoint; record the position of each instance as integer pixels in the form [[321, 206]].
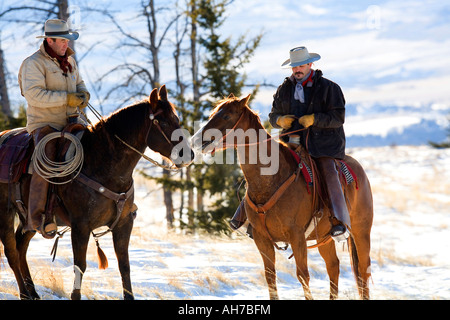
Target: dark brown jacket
[[326, 136]]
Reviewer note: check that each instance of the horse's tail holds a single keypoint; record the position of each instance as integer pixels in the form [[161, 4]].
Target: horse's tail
[[102, 259], [354, 260]]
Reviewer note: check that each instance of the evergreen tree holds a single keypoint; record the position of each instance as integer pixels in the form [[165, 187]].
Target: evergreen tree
[[223, 75]]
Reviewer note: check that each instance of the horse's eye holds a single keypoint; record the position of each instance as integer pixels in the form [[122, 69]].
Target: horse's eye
[[164, 124], [226, 117]]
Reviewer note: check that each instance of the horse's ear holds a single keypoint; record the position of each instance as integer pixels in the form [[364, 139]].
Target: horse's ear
[[153, 99], [163, 93], [231, 96], [246, 99]]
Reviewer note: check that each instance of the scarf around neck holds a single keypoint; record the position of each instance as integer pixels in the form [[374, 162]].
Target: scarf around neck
[[63, 60], [299, 93]]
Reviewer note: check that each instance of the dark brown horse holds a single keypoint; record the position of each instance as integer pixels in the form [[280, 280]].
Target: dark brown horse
[[103, 193], [284, 216]]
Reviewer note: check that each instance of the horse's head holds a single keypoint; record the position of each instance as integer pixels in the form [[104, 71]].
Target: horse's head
[[228, 115], [165, 135]]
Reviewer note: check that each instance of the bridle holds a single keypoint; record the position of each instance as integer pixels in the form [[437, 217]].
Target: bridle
[[155, 122]]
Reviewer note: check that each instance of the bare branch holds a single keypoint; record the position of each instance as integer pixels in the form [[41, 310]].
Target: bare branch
[[12, 9]]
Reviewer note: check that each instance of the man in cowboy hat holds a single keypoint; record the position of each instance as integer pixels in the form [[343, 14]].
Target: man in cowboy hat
[[319, 105], [50, 81]]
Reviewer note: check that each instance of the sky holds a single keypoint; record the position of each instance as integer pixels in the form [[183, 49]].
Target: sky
[[379, 52], [383, 51]]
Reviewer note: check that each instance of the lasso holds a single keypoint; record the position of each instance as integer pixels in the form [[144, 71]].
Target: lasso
[[49, 169]]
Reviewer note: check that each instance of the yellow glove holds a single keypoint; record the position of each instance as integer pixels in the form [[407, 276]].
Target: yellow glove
[[285, 121], [75, 99], [307, 121], [86, 97]]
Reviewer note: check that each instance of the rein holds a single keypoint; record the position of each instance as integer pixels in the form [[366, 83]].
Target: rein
[[154, 122], [258, 142]]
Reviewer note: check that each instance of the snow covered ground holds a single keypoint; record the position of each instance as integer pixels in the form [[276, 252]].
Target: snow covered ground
[[410, 251]]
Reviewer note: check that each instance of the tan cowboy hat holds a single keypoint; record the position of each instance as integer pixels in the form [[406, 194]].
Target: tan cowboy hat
[[300, 56], [56, 28]]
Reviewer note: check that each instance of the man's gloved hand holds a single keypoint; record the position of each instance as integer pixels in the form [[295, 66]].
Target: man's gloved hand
[[307, 120], [86, 97], [285, 121], [75, 99]]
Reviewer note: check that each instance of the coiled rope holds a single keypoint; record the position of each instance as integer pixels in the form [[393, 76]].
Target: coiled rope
[[49, 169]]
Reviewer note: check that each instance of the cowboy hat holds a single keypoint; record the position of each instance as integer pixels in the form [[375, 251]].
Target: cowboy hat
[[56, 28], [299, 56]]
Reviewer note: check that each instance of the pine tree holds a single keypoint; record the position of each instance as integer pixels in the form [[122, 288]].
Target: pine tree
[[223, 75]]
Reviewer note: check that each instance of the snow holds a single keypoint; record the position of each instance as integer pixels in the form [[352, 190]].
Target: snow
[[409, 246]]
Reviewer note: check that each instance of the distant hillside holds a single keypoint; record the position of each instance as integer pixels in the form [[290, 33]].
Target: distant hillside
[[385, 125]]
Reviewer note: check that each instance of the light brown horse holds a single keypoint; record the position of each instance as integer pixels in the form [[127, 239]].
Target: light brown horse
[[290, 213]]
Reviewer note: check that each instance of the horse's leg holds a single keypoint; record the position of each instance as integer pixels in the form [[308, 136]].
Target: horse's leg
[[360, 254], [22, 242], [267, 252], [121, 239], [298, 244], [80, 240], [8, 239], [328, 253]]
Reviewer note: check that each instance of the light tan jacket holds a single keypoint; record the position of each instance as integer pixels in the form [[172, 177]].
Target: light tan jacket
[[45, 88]]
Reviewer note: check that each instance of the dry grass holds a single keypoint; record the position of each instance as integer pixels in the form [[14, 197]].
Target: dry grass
[[49, 277], [385, 256]]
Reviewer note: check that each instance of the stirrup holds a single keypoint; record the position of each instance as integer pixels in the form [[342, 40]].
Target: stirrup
[[339, 233], [45, 231], [235, 224]]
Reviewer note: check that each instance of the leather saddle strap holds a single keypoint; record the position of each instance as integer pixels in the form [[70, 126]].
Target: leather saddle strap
[[119, 198], [273, 199]]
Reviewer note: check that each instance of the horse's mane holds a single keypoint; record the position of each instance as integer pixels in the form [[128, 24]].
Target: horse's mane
[[131, 116], [253, 119], [128, 116]]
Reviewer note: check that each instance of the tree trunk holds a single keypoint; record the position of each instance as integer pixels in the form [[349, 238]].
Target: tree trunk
[[4, 99], [168, 201], [64, 14], [190, 203]]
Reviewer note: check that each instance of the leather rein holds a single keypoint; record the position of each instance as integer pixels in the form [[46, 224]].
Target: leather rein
[[154, 122]]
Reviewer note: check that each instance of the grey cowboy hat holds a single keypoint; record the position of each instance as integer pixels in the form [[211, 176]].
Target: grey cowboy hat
[[59, 29], [299, 56]]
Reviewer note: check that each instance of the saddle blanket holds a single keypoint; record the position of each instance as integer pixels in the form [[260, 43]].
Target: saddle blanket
[[14, 154]]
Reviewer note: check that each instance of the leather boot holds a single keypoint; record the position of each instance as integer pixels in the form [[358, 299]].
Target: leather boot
[[239, 217], [339, 208], [39, 191]]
